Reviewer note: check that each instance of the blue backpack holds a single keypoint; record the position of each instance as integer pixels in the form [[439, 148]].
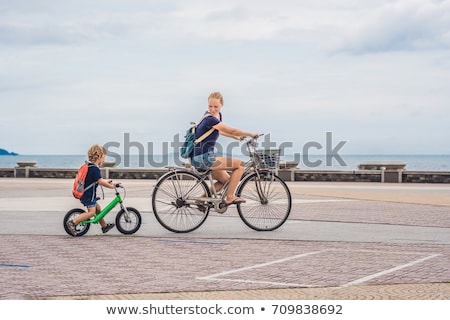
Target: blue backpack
[[190, 142]]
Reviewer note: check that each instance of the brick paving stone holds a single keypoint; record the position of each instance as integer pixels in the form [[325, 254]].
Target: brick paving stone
[[99, 266], [43, 265]]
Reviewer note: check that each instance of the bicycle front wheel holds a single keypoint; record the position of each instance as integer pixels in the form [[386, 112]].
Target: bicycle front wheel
[[129, 221], [175, 201], [268, 202]]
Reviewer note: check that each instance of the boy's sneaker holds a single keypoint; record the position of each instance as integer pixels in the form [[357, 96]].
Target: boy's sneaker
[[108, 227], [72, 227]]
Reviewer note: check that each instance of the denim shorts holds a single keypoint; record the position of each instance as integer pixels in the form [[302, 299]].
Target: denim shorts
[[203, 161], [89, 198], [89, 203]]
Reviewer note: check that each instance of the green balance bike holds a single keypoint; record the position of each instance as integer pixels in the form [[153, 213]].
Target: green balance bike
[[128, 219]]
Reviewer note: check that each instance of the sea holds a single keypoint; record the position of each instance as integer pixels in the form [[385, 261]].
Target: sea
[[310, 162]]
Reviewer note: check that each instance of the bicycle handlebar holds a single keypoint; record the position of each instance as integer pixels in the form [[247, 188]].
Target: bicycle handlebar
[[252, 141], [116, 185], [248, 139]]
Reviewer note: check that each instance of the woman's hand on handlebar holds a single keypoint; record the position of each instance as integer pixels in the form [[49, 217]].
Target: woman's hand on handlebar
[[254, 136], [257, 135]]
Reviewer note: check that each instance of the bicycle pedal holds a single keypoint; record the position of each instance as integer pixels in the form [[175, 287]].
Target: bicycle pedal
[[201, 208]]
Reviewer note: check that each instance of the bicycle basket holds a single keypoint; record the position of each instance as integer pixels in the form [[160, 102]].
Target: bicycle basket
[[268, 158]]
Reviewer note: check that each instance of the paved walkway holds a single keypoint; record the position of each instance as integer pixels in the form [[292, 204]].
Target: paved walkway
[[342, 241]]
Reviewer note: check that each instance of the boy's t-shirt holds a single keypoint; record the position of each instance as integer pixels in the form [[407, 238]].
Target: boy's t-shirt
[[208, 144], [92, 176]]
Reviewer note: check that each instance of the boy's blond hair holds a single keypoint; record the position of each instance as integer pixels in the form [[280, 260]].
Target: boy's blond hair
[[96, 152]]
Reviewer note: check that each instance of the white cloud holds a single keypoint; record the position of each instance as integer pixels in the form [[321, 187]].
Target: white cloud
[[295, 68], [398, 25], [357, 26]]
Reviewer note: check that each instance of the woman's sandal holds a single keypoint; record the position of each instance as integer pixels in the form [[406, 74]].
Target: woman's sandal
[[235, 201]]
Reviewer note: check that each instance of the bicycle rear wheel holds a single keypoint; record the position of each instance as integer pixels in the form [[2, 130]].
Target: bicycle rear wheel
[[174, 204], [81, 229], [268, 202]]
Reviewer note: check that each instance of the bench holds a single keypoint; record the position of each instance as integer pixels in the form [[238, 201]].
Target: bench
[[381, 165], [288, 165], [390, 171], [24, 164], [108, 164]]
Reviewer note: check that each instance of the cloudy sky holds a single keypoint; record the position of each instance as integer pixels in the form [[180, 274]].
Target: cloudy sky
[[374, 73]]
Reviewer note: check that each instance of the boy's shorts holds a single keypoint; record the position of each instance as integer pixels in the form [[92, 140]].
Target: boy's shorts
[[89, 204], [203, 161]]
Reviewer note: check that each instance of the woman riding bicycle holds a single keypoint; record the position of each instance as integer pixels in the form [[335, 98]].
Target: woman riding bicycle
[[204, 157]]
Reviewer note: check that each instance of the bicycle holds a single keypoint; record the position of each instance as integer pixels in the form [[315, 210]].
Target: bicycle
[[128, 219], [181, 198]]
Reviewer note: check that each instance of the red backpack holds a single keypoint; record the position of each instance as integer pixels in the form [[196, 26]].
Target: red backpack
[[78, 187]]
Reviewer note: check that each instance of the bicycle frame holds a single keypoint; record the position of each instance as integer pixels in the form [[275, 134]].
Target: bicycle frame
[[99, 216]]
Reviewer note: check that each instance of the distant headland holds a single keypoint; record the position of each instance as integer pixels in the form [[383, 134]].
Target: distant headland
[[4, 152]]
